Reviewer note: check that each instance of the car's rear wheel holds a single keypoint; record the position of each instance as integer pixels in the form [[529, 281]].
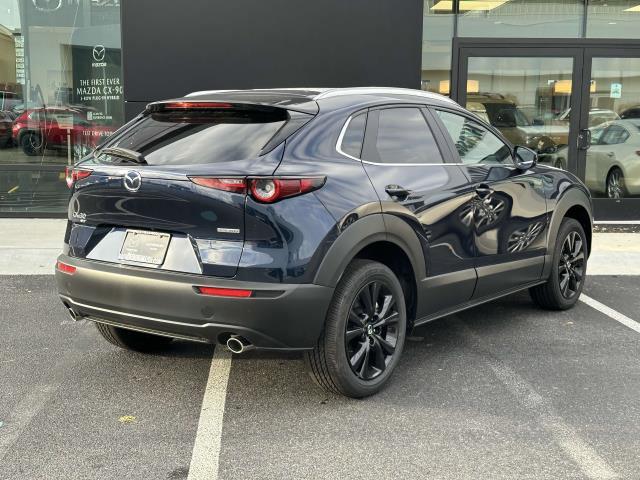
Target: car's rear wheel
[[132, 340], [31, 143], [615, 184], [568, 270], [364, 332]]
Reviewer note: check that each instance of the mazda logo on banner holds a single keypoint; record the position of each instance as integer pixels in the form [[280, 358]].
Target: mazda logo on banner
[[98, 53]]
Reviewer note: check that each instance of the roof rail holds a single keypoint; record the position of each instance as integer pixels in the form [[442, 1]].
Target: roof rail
[[337, 92]]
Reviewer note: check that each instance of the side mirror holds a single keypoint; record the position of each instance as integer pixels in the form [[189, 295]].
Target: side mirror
[[524, 158], [538, 122]]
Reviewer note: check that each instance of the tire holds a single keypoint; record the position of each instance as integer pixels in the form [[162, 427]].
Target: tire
[[561, 292], [615, 184], [31, 144], [380, 347], [132, 340]]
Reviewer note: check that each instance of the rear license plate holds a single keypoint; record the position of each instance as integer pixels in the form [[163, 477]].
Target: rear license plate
[[144, 247]]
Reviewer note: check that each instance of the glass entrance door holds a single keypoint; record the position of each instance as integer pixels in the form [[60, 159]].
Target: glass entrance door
[[611, 123], [532, 95]]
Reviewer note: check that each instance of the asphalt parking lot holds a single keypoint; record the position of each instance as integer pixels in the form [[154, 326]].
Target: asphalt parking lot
[[501, 391]]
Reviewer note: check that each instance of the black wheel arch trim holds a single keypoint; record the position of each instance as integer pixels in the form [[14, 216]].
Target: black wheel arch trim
[[572, 197], [366, 231]]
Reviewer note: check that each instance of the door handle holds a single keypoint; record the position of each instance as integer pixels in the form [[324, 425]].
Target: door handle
[[611, 154], [483, 191], [397, 191]]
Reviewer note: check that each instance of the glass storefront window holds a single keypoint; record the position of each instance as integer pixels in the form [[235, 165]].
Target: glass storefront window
[[520, 18], [437, 32], [60, 95], [613, 18]]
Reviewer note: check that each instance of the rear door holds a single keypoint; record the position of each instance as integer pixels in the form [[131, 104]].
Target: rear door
[[187, 187], [508, 211], [402, 156]]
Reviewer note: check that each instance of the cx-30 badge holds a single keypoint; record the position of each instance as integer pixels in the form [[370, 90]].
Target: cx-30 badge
[[132, 181]]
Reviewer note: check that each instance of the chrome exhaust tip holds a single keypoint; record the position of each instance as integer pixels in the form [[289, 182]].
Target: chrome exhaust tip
[[237, 344], [75, 316]]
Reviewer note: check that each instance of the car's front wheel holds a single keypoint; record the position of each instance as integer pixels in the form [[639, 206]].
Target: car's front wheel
[[364, 332], [132, 340], [568, 270]]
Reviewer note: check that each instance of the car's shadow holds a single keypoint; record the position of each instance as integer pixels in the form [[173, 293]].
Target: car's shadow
[[441, 345]]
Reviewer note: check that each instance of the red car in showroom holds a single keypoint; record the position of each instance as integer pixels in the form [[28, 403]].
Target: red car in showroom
[[51, 128]]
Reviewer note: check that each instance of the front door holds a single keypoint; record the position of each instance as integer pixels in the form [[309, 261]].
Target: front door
[[508, 210]]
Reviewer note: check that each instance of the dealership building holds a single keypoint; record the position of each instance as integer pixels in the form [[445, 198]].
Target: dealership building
[[562, 77]]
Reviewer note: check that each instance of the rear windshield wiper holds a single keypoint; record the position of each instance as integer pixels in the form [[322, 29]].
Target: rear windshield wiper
[[123, 153]]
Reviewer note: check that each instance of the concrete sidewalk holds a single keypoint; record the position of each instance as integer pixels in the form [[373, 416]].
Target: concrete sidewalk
[[30, 247]]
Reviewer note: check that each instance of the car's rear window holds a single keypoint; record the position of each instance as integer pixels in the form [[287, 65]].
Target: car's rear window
[[184, 137]]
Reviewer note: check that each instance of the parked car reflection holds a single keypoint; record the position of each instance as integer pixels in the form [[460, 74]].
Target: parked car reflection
[[40, 129], [613, 160], [542, 135]]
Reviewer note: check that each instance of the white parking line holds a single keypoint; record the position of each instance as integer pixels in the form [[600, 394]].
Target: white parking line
[[206, 450], [593, 466], [610, 312]]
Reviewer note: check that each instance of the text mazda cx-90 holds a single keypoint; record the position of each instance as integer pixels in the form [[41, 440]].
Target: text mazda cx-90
[[326, 221]]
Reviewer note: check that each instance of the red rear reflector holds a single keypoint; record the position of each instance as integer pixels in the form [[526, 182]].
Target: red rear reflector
[[237, 185], [224, 292], [66, 268], [72, 175], [193, 105]]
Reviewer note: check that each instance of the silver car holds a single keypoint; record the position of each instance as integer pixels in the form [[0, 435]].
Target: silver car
[[613, 160]]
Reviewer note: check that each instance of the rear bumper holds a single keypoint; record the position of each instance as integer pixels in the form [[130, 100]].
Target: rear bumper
[[278, 316]]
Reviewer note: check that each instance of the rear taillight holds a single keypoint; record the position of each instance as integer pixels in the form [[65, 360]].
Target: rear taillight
[[263, 189], [72, 175], [65, 268], [237, 185], [224, 292]]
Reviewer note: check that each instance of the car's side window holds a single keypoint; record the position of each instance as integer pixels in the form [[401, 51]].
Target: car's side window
[[403, 137], [474, 143], [354, 136], [614, 135]]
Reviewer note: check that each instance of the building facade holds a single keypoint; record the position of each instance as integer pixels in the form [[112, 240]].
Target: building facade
[[562, 77]]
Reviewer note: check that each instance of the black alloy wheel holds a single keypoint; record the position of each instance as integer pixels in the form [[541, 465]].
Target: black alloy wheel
[[364, 332], [571, 265], [371, 332], [568, 268]]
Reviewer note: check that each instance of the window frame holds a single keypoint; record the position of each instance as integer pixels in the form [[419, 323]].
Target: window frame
[[473, 118], [371, 134], [344, 129]]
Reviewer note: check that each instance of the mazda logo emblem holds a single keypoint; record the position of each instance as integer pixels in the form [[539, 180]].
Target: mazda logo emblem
[[98, 53], [132, 181]]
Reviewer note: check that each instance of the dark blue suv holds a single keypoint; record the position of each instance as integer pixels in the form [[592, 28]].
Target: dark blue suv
[[327, 221]]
